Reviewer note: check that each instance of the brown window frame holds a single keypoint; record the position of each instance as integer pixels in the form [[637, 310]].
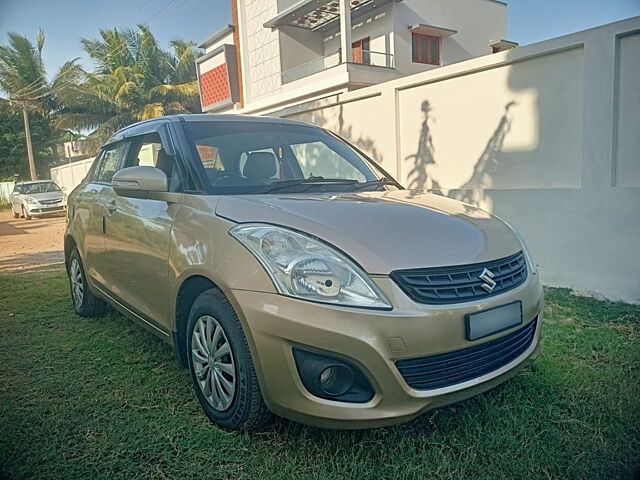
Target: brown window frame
[[417, 49], [360, 51]]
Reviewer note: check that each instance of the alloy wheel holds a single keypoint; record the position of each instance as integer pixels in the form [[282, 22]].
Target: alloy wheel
[[77, 284], [213, 362]]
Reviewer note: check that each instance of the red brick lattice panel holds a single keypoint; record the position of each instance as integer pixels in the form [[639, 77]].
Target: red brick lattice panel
[[214, 85]]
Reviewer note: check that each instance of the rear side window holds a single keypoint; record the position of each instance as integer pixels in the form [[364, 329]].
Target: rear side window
[[110, 162]]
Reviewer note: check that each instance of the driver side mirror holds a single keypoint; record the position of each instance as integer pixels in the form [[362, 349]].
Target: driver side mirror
[[134, 181]]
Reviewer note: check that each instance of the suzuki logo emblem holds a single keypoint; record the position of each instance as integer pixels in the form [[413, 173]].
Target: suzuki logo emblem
[[487, 277]]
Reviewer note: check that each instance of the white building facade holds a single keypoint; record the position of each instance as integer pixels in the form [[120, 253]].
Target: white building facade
[[545, 136], [282, 52]]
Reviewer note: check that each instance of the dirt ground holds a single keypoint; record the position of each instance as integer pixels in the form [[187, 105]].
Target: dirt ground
[[30, 245]]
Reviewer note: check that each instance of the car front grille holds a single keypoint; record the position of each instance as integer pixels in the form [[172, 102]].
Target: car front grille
[[461, 283], [47, 209], [443, 370]]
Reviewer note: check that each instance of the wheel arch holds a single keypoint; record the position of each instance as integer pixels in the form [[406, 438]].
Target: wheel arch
[[189, 290], [69, 244], [190, 287]]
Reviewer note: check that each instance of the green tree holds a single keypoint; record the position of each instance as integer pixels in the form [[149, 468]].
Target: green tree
[[23, 79], [13, 145], [134, 79]]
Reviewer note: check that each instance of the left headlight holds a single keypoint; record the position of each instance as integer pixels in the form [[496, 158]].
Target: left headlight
[[306, 268], [30, 200]]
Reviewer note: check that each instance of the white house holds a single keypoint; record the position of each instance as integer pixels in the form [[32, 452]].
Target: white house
[[282, 51], [544, 136]]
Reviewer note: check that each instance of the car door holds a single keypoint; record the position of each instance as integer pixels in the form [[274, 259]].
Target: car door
[[16, 199], [138, 234], [90, 211]]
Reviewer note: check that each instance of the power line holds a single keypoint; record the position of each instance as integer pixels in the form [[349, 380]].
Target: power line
[[113, 5], [119, 50]]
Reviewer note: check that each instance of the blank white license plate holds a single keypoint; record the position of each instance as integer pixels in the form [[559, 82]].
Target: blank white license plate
[[493, 320]]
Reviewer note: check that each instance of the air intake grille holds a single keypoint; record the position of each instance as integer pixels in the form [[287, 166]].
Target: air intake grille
[[438, 371], [461, 283]]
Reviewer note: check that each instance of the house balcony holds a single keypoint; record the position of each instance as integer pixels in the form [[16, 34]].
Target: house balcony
[[319, 15], [327, 46], [376, 63], [338, 42]]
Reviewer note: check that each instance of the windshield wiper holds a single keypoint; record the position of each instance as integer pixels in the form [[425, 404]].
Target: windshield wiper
[[305, 181], [373, 183]]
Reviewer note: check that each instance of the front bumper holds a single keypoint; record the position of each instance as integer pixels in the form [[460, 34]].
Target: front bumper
[[372, 340], [36, 210]]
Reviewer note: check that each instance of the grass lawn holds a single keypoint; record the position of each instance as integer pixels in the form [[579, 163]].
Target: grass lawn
[[92, 399]]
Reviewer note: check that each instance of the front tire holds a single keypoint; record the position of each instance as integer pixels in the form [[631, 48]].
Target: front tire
[[84, 302], [25, 214], [221, 366]]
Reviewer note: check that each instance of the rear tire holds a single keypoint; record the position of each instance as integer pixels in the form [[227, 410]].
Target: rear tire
[[15, 215], [84, 302], [233, 400]]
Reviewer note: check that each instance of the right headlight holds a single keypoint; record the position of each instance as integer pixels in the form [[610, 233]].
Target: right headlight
[[30, 201], [525, 248], [306, 268]]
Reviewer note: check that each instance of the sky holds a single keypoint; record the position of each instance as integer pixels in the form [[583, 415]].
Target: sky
[[65, 22]]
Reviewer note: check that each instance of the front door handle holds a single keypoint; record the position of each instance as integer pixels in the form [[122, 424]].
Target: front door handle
[[111, 206]]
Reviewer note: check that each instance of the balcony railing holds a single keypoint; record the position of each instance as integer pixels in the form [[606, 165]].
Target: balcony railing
[[362, 57]]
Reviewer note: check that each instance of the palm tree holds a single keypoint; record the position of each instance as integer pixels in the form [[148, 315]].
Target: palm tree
[[134, 79], [23, 79]]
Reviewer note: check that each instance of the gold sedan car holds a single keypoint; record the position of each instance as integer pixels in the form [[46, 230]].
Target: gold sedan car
[[294, 276]]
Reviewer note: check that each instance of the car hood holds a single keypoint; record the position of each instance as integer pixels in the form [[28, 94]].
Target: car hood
[[45, 196], [384, 231]]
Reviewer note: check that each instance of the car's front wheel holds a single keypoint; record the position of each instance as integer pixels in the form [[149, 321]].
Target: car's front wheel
[[221, 366], [85, 303], [25, 214]]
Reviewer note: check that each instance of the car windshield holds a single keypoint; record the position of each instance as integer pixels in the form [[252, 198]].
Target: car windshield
[[40, 187], [268, 157]]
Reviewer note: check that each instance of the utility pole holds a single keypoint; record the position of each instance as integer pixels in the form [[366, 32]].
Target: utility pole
[[27, 134]]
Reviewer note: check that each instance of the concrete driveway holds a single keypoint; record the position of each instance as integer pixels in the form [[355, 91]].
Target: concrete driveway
[[31, 245]]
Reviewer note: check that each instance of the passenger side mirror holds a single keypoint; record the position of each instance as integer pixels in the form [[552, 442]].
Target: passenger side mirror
[[132, 181]]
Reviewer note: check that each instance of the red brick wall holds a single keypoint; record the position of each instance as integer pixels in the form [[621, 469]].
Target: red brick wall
[[214, 85]]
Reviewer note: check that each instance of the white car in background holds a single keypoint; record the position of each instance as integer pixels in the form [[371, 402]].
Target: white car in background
[[37, 198]]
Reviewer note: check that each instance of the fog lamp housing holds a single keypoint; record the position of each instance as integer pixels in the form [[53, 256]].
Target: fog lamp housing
[[332, 378]]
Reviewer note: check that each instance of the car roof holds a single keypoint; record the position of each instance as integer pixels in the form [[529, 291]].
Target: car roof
[[31, 182], [200, 117]]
